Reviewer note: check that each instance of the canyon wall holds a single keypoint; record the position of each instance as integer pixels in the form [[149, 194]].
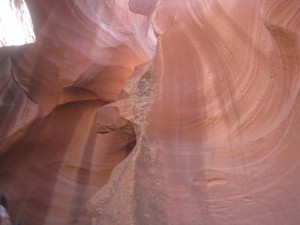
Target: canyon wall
[[154, 112], [52, 158]]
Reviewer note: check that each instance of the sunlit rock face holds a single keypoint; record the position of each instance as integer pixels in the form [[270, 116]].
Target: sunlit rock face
[[218, 142], [52, 158], [105, 123], [15, 23]]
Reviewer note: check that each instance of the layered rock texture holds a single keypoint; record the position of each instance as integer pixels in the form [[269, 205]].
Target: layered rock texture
[[143, 112]]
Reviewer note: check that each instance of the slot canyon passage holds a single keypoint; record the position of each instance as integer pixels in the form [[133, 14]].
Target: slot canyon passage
[[151, 112]]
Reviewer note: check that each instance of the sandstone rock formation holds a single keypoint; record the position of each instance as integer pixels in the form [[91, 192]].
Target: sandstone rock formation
[[197, 124], [52, 158]]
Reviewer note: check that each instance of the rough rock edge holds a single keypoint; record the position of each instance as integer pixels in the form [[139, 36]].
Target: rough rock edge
[[121, 196]]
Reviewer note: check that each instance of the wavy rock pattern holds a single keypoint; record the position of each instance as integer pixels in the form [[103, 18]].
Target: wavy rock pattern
[[201, 130], [52, 159], [219, 144]]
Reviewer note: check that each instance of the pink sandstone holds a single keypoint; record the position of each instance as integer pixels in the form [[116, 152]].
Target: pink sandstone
[[153, 112]]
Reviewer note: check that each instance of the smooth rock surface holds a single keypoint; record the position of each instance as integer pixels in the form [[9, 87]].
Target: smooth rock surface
[[52, 160], [143, 112], [219, 144]]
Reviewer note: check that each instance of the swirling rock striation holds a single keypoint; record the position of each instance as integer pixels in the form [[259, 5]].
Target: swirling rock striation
[[219, 142], [52, 159], [174, 112]]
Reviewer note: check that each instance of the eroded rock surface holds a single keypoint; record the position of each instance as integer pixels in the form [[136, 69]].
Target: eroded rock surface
[[220, 142], [201, 128], [52, 158]]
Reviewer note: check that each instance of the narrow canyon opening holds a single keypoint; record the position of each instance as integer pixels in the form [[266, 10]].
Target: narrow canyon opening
[[147, 112]]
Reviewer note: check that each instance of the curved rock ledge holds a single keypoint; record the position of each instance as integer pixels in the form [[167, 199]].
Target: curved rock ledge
[[142, 112]]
